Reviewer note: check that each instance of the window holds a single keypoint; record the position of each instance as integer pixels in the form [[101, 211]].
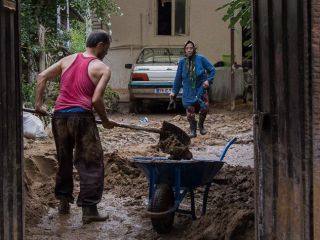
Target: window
[[172, 17], [180, 17], [160, 55]]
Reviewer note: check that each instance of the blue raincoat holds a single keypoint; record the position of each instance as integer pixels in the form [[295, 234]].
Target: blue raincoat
[[204, 70]]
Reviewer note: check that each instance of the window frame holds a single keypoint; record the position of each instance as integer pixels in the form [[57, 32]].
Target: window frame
[[173, 19]]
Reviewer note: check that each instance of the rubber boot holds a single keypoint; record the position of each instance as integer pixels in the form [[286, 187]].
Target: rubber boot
[[193, 129], [202, 130], [91, 214], [64, 206]]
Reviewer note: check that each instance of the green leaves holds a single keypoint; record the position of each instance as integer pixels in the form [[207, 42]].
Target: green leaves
[[78, 37], [111, 99], [44, 12], [239, 11], [102, 8]]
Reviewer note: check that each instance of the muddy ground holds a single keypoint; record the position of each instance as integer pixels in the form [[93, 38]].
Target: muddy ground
[[230, 210]]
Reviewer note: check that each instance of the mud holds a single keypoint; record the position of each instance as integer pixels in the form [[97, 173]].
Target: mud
[[175, 148], [123, 178], [231, 212], [230, 209]]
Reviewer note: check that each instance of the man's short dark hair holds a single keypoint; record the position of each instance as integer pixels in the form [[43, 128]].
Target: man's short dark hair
[[97, 36]]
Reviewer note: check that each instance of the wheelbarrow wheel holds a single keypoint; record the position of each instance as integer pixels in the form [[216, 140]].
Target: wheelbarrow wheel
[[162, 200]]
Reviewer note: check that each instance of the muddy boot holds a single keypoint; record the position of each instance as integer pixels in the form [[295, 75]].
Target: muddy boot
[[91, 214], [193, 129], [64, 206], [202, 130]]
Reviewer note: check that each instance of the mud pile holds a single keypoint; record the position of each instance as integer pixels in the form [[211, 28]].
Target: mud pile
[[230, 209], [175, 148], [39, 178], [123, 177]]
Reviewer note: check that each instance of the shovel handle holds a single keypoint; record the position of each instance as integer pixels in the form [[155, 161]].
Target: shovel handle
[[30, 110], [134, 127]]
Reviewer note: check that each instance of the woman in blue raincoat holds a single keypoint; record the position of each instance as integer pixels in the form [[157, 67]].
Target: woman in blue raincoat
[[194, 74]]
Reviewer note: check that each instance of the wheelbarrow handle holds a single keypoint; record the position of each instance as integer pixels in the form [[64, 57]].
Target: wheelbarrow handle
[[226, 147]]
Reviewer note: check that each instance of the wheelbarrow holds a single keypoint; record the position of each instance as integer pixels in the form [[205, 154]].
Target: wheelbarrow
[[171, 180]]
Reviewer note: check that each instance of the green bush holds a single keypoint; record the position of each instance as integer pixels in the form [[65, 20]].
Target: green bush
[[78, 37], [52, 91], [28, 94], [111, 100]]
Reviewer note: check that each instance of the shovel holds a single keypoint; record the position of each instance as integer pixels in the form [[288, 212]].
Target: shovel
[[165, 131]]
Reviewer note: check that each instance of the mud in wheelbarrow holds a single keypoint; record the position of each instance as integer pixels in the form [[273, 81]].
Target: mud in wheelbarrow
[[171, 180]]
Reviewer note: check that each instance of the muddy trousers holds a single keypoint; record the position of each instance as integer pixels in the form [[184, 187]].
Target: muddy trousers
[[202, 108], [77, 142]]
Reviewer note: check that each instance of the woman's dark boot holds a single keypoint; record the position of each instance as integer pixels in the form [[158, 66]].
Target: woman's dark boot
[[91, 214], [193, 128], [202, 130]]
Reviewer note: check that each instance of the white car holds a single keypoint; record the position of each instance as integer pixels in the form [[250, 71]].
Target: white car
[[153, 74]]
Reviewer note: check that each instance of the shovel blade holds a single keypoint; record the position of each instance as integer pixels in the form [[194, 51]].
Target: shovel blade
[[168, 129]]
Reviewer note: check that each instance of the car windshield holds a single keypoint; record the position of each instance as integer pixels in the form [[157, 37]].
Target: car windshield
[[160, 55]]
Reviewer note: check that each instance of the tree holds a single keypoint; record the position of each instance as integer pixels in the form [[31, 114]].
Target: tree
[[39, 25], [239, 11], [102, 8], [42, 44]]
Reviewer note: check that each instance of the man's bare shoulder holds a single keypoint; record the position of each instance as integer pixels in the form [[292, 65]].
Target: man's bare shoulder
[[97, 69], [69, 59], [66, 62], [98, 65]]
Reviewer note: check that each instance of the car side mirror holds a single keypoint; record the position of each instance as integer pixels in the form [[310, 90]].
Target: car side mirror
[[128, 66]]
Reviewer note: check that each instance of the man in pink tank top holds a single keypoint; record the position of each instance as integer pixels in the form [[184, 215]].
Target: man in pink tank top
[[83, 81]]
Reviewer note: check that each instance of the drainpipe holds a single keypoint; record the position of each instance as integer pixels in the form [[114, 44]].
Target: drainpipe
[[141, 29]]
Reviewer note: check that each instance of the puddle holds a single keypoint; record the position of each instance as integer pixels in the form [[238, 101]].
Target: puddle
[[122, 224]]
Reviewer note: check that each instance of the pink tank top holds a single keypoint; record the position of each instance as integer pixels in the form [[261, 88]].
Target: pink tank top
[[76, 87]]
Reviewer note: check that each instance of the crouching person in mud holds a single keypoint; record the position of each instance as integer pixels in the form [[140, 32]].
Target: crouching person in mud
[[82, 85], [194, 74]]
